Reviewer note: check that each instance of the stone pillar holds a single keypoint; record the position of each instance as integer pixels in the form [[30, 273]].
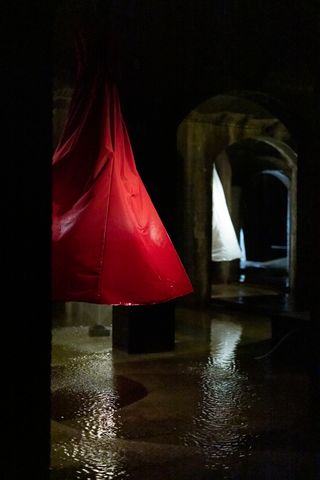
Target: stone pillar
[[144, 328]]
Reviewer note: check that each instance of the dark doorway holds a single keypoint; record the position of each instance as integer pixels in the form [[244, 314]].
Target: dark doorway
[[265, 229]]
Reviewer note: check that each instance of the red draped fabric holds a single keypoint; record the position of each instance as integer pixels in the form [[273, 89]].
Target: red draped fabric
[[108, 243]]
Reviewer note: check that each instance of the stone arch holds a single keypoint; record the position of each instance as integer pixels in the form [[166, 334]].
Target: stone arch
[[205, 133], [251, 157]]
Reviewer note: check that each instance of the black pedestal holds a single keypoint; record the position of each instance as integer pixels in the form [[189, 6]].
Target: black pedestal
[[145, 328]]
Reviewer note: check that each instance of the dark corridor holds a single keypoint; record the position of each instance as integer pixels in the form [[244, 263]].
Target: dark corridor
[[265, 229]]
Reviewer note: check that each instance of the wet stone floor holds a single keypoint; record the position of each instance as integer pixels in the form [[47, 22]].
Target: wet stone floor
[[225, 404]]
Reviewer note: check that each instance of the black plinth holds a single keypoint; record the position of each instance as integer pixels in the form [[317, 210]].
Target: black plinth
[[145, 328]]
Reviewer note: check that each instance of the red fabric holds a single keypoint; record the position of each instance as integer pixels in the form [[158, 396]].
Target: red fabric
[[108, 243]]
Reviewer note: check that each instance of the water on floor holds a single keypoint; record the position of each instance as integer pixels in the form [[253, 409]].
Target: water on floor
[[220, 406]]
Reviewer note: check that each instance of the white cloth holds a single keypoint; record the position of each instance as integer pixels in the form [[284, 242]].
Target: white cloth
[[225, 245]]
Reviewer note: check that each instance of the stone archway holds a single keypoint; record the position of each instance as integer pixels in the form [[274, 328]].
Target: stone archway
[[272, 164], [205, 133]]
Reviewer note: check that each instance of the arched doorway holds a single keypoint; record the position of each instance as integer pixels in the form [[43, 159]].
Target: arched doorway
[[221, 131], [259, 176]]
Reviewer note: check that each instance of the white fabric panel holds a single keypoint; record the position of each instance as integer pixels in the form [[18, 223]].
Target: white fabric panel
[[225, 245]]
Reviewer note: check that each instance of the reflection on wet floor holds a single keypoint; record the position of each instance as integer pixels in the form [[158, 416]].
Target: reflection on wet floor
[[208, 410]]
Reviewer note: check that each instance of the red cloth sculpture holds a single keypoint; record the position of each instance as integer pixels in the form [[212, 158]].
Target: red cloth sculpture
[[108, 243]]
